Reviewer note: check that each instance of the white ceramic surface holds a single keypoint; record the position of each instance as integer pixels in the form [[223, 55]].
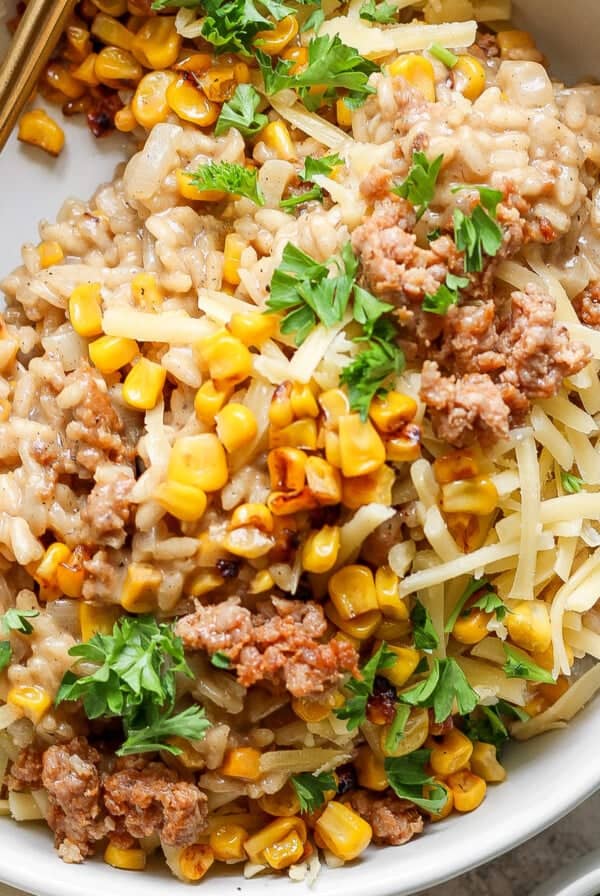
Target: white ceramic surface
[[547, 777], [581, 878]]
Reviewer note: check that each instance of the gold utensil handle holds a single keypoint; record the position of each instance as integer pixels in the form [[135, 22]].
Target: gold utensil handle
[[36, 37]]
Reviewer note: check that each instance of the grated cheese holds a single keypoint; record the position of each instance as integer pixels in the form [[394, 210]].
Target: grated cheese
[[580, 692], [527, 462], [313, 125], [375, 42], [174, 327]]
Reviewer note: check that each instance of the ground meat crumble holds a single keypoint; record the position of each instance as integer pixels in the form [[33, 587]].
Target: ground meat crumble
[[394, 821]]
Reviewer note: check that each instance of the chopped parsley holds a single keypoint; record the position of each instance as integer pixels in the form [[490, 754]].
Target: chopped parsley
[[397, 728], [446, 295], [571, 483], [228, 177], [424, 633], [419, 186], [407, 776], [312, 168], [446, 57], [472, 588], [5, 654], [311, 789], [220, 660], [314, 21], [292, 202], [331, 64], [135, 680], [241, 112], [491, 603], [445, 684], [518, 665], [17, 621], [487, 724], [383, 13], [479, 233], [371, 371], [354, 710]]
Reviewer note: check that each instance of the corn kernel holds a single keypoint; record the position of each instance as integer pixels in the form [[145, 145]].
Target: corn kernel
[[203, 582], [484, 763], [467, 789], [261, 582], [273, 833], [195, 861], [388, 596], [286, 504], [257, 515], [343, 113], [277, 137], [456, 466], [334, 404], [372, 488], [451, 754], [390, 631], [529, 625], [193, 62], [183, 501], [149, 103], [248, 542], [115, 65], [218, 83], [352, 591], [332, 449], [94, 620], [304, 403], [408, 658], [298, 56], [287, 469], [140, 588], [448, 806], [35, 701], [125, 859], [143, 385], [478, 496], [49, 253], [285, 852], [55, 554], [86, 72], [390, 412], [227, 842], [111, 7], [281, 412], [316, 710], [70, 578], [125, 120], [552, 692], [413, 737], [360, 627], [85, 310], [59, 78], [472, 627], [471, 77], [370, 770], [361, 448], [78, 41], [283, 804], [417, 71], [406, 447], [191, 104], [185, 185], [343, 831], [324, 481], [198, 460], [236, 426], [157, 43], [146, 292], [208, 402], [320, 550], [299, 434], [242, 762], [38, 129], [232, 254], [228, 360], [277, 39], [111, 32], [514, 40], [109, 353], [253, 328]]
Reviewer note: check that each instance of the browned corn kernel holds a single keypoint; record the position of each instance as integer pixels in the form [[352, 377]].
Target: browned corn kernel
[[323, 480], [79, 44], [468, 530], [372, 488], [190, 61], [406, 446], [286, 504], [287, 469], [191, 104], [390, 412], [275, 40], [112, 7], [219, 83], [458, 465]]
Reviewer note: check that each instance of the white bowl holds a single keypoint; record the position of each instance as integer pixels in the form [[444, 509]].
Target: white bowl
[[547, 777]]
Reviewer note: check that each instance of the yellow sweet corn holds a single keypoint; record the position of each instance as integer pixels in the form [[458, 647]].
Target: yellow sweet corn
[[109, 353], [146, 292], [86, 71], [94, 619], [85, 310], [320, 550], [219, 82], [203, 582], [253, 327], [343, 831], [59, 78], [316, 710], [452, 753], [183, 501], [352, 591], [372, 488], [361, 448], [370, 770], [191, 104], [143, 384], [186, 187], [149, 104], [248, 542], [228, 360], [157, 44], [253, 514], [407, 660], [484, 762], [361, 627], [277, 137], [38, 129], [242, 762], [277, 39], [388, 596], [111, 7], [227, 842], [529, 625], [467, 789], [287, 469], [299, 434], [140, 588], [208, 402], [456, 466], [406, 447], [195, 861], [448, 806], [390, 412], [323, 480], [478, 496], [281, 412], [413, 737], [232, 255], [236, 426], [115, 65], [334, 404], [261, 582], [282, 804], [391, 631], [472, 627], [514, 40], [469, 76], [198, 460], [33, 700], [304, 403], [285, 852], [46, 571], [111, 32], [275, 832], [70, 576], [417, 71], [49, 253], [343, 113], [131, 859]]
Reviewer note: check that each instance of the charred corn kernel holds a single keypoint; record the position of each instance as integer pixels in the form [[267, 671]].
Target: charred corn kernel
[[111, 7], [38, 129], [281, 412], [204, 582], [388, 596], [361, 448], [417, 71], [324, 481], [277, 39], [316, 710], [262, 581], [227, 842], [478, 496], [55, 554], [111, 32], [391, 411], [109, 353], [149, 103], [219, 82], [343, 831], [253, 328], [144, 384], [86, 72], [456, 466], [32, 699], [85, 310], [208, 402], [551, 692], [273, 833], [145, 291], [248, 542], [343, 113], [193, 62], [195, 861], [236, 426], [298, 56], [448, 806], [285, 852], [352, 591], [369, 769], [140, 588], [282, 804], [228, 359], [514, 40], [468, 530], [373, 488], [304, 403], [529, 626], [198, 460], [157, 43], [114, 64], [332, 449], [320, 550], [277, 137], [242, 762], [257, 515], [59, 78], [471, 628], [125, 120], [471, 77], [288, 504], [407, 660], [94, 620], [125, 859], [484, 762], [183, 501], [185, 185], [406, 447], [334, 404], [299, 434], [452, 753], [50, 252], [287, 469], [467, 789], [191, 104], [232, 255], [361, 627]]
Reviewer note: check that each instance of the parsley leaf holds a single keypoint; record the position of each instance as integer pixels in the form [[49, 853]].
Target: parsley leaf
[[228, 177], [518, 665], [135, 679], [445, 684], [419, 186], [491, 603], [220, 660], [159, 5], [368, 374], [446, 295], [407, 776], [314, 21], [397, 728], [446, 57], [312, 168], [367, 310], [330, 63], [476, 235], [472, 588], [571, 483], [241, 112], [291, 202], [5, 654], [424, 633], [487, 724], [311, 789], [16, 620], [232, 25], [355, 708], [383, 13]]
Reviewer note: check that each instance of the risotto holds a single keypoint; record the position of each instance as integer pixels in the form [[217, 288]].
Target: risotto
[[299, 513]]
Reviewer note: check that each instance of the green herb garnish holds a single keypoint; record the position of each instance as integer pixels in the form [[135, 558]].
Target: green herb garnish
[[446, 57], [479, 233], [419, 186], [487, 724], [372, 371], [491, 603], [424, 633], [312, 168], [311, 789], [314, 21], [446, 295], [445, 684], [397, 728], [472, 588], [220, 660], [383, 13], [407, 777], [5, 654], [16, 621], [354, 709], [518, 665], [571, 483], [228, 177], [241, 112]]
